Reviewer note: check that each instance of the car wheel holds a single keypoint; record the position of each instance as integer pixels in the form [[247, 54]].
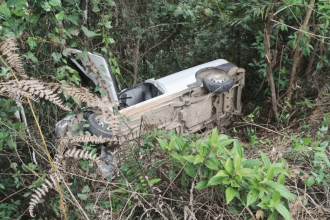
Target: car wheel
[[218, 82], [97, 126]]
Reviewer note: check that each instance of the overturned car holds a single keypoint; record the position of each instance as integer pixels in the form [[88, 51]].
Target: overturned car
[[196, 99]]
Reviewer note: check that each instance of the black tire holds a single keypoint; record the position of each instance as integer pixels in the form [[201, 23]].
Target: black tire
[[218, 82], [97, 129]]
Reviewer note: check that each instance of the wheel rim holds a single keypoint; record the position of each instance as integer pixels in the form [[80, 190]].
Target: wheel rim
[[101, 123], [217, 78]]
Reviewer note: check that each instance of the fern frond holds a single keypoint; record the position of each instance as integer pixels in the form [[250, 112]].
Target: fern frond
[[93, 139], [9, 49], [32, 89], [14, 97], [82, 94], [48, 184], [82, 154], [109, 117]]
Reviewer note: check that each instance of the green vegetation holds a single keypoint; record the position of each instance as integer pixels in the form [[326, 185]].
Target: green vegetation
[[273, 163]]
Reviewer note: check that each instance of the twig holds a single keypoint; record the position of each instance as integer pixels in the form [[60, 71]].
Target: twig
[[265, 128], [75, 200], [163, 25], [13, 194], [251, 213], [110, 205], [174, 179], [292, 13], [305, 32], [157, 44]]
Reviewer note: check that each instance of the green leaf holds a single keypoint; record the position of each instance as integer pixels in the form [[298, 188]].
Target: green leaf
[[283, 211], [248, 172], [221, 173], [32, 166], [88, 33], [177, 156], [56, 56], [270, 173], [74, 18], [215, 181], [263, 205], [252, 197], [153, 181], [228, 166], [237, 162], [224, 142], [251, 163], [203, 149], [86, 189], [11, 143], [211, 165], [281, 178], [310, 181], [272, 216], [65, 52], [46, 6], [315, 143], [82, 196], [15, 2], [208, 12], [32, 43], [214, 136], [281, 189], [31, 56], [276, 196], [55, 2], [102, 68], [60, 16], [162, 144], [189, 158], [201, 185], [217, 162], [265, 159], [198, 159], [110, 40], [4, 9], [237, 149], [307, 141], [230, 194], [190, 170], [73, 31], [171, 144], [111, 3], [178, 12], [324, 128], [299, 147]]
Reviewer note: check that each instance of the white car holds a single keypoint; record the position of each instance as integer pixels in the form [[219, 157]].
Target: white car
[[195, 99]]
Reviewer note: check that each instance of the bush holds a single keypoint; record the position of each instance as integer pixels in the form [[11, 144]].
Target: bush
[[191, 166]]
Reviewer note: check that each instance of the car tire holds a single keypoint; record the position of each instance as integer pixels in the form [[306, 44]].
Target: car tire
[[96, 128], [218, 82]]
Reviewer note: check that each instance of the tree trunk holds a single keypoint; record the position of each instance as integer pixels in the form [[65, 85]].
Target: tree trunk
[[296, 56], [269, 63], [136, 59]]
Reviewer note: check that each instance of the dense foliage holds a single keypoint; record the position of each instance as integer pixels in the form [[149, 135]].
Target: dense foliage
[[283, 45]]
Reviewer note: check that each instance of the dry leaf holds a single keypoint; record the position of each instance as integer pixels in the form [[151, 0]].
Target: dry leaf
[[260, 215]]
